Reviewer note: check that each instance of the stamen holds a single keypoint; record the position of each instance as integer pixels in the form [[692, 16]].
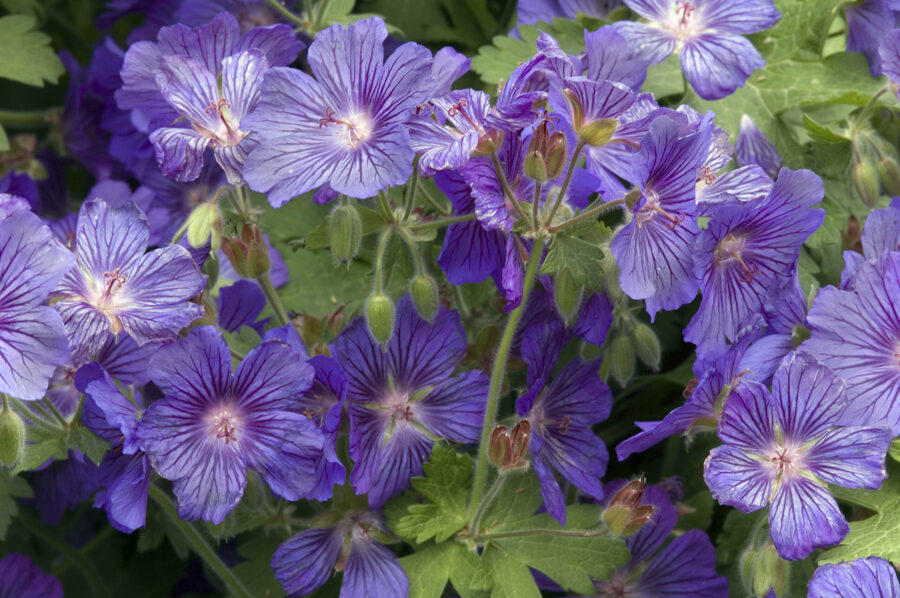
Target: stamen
[[731, 246], [706, 175], [460, 108], [689, 389], [113, 278], [686, 9], [217, 107], [225, 429], [675, 219]]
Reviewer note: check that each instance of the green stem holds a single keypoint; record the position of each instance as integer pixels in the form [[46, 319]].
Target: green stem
[[539, 531], [562, 191], [288, 14], [32, 417], [241, 203], [434, 203], [497, 372], [536, 201], [199, 544], [77, 417], [384, 206], [414, 251], [25, 118], [507, 190], [379, 259], [593, 212], [486, 502], [461, 303], [56, 414], [323, 5], [409, 194], [274, 300], [81, 563], [442, 222], [867, 109]]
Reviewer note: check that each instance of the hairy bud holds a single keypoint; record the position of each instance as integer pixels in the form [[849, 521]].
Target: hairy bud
[[508, 448], [425, 296], [12, 438], [621, 359], [380, 316], [889, 173], [344, 232], [647, 345], [762, 571], [865, 182], [205, 222], [624, 515], [248, 253]]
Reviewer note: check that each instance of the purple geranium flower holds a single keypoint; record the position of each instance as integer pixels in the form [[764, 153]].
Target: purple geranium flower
[[21, 578], [561, 412], [239, 305], [783, 447], [873, 577], [125, 471], [867, 24], [715, 59], [398, 393], [213, 424], [345, 127], [753, 147], [305, 561], [32, 336], [855, 333], [684, 567], [655, 250], [529, 12], [116, 286], [880, 236], [889, 51], [747, 249]]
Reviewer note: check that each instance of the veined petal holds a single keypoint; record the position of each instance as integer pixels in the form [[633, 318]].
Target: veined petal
[[109, 238], [278, 44], [685, 567], [808, 398], [373, 570], [652, 43], [749, 417], [271, 376], [196, 369], [850, 457], [125, 497], [209, 43], [305, 561], [737, 479], [86, 329], [401, 458], [31, 261], [191, 89], [363, 360], [803, 517], [32, 345], [715, 64], [743, 17], [180, 152], [242, 78], [454, 409], [872, 577]]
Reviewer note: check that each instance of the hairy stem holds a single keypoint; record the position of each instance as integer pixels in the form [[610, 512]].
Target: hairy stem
[[288, 14], [431, 200], [442, 222], [274, 300], [379, 259], [562, 191], [497, 373], [409, 194], [540, 531], [508, 191], [200, 545], [486, 502], [592, 213]]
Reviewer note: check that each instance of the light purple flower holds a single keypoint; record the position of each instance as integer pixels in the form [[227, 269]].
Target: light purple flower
[[783, 447], [867, 24], [213, 424], [715, 58], [345, 126], [117, 287], [32, 336], [753, 147], [872, 577]]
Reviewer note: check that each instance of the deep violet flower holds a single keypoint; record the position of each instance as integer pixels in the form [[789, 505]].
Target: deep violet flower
[[873, 577], [213, 424], [345, 126], [783, 447], [125, 471], [21, 578], [306, 561], [655, 249], [748, 248], [867, 24], [117, 287], [855, 332], [32, 336], [715, 58], [880, 235], [889, 51], [753, 147], [561, 412], [394, 392], [686, 566], [239, 305]]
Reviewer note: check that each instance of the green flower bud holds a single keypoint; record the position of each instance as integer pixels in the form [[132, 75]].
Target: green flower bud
[[535, 168], [557, 152], [248, 254], [621, 359], [566, 294], [425, 296], [344, 232], [12, 438], [647, 345], [616, 519], [889, 173], [865, 182], [763, 570], [204, 222], [380, 316]]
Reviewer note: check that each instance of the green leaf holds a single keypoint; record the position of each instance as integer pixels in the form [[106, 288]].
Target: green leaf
[[665, 79], [895, 449], [584, 260], [801, 31], [4, 140], [446, 486], [430, 569], [11, 487], [93, 447], [38, 451], [26, 55], [242, 341], [822, 134], [336, 10], [509, 576]]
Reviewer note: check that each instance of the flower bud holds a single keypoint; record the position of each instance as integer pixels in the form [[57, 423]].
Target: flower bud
[[488, 143], [762, 571], [566, 294], [535, 168], [647, 345], [12, 438], [425, 296], [204, 222], [557, 152], [380, 316], [507, 448], [640, 517], [248, 254], [500, 445], [630, 495], [344, 232], [624, 515], [889, 173], [865, 182], [621, 359]]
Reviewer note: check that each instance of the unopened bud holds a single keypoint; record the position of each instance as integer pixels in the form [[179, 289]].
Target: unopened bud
[[557, 153], [621, 359], [344, 232], [889, 173], [630, 495], [12, 438], [425, 296], [566, 294], [380, 316], [508, 448], [640, 517], [499, 446], [865, 182], [248, 254], [204, 222], [488, 143], [535, 168], [647, 345], [762, 571]]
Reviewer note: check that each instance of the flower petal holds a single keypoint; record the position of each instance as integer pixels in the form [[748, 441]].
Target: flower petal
[[803, 517]]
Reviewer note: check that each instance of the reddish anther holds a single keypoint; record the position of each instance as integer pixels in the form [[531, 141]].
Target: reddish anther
[[460, 108], [113, 278], [686, 8]]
